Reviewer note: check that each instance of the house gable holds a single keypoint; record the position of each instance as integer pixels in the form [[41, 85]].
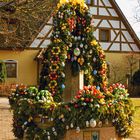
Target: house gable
[[108, 16]]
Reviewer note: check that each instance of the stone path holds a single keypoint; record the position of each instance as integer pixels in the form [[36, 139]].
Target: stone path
[[5, 120]]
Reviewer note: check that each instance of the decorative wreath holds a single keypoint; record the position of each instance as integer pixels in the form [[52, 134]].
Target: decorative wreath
[[73, 42]]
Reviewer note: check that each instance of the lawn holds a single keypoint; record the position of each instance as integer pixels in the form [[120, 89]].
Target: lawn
[[136, 132]]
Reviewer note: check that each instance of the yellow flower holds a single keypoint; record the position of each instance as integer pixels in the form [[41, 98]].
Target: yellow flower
[[102, 101], [74, 2], [94, 42], [57, 40], [30, 119], [63, 1], [82, 99]]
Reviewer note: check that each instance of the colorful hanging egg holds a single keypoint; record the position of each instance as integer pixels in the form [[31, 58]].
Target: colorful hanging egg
[[63, 86], [79, 37], [63, 64], [77, 51], [81, 45], [95, 72], [71, 125], [67, 127], [77, 129], [86, 46], [94, 59], [81, 61], [100, 124], [87, 123], [63, 75], [98, 87], [86, 71], [93, 123]]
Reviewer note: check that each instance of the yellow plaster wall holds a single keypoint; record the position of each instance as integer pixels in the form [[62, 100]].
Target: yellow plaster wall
[[120, 66], [26, 66]]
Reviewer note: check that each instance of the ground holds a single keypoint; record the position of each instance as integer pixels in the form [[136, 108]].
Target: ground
[[6, 121]]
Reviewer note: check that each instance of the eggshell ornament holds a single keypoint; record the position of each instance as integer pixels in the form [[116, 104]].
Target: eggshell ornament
[[70, 45], [87, 123], [106, 122], [94, 59], [86, 46], [75, 38], [95, 72], [92, 123], [86, 71], [77, 51], [63, 75], [63, 86], [67, 127], [71, 125], [100, 124], [81, 45], [79, 38], [77, 129], [63, 64]]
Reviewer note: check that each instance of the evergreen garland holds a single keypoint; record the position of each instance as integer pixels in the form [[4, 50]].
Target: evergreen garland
[[72, 42]]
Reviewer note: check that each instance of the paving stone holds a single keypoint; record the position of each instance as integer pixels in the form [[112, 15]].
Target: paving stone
[[5, 120]]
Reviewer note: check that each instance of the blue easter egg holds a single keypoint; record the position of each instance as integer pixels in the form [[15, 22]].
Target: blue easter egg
[[63, 86], [95, 72], [98, 87]]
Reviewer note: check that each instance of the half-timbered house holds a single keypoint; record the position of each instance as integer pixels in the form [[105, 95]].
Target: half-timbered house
[[112, 31]]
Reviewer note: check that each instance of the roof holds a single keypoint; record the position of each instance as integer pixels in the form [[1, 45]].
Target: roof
[[121, 16], [21, 11], [119, 12]]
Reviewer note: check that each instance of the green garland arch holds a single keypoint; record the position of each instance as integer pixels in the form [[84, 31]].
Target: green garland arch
[[72, 41]]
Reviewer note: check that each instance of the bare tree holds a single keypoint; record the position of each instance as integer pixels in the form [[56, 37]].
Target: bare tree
[[20, 20]]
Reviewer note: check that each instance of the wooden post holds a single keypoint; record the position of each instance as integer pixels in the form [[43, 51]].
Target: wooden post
[[73, 83]]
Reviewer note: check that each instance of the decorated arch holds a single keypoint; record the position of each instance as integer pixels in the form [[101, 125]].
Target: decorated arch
[[73, 42]]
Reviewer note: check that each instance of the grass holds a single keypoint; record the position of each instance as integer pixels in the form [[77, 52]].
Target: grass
[[136, 131]]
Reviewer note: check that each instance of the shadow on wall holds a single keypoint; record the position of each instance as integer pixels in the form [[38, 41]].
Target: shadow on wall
[[134, 90]]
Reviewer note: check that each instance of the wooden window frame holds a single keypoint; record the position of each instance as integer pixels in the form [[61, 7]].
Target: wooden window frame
[[109, 34], [91, 3], [12, 62]]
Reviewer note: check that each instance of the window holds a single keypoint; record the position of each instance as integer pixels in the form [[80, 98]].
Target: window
[[104, 35], [89, 2], [11, 68]]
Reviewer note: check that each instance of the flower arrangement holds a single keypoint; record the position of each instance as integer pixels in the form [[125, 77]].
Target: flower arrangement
[[73, 42], [41, 114], [40, 117]]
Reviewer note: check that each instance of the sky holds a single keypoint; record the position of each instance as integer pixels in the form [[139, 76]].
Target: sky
[[128, 7]]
